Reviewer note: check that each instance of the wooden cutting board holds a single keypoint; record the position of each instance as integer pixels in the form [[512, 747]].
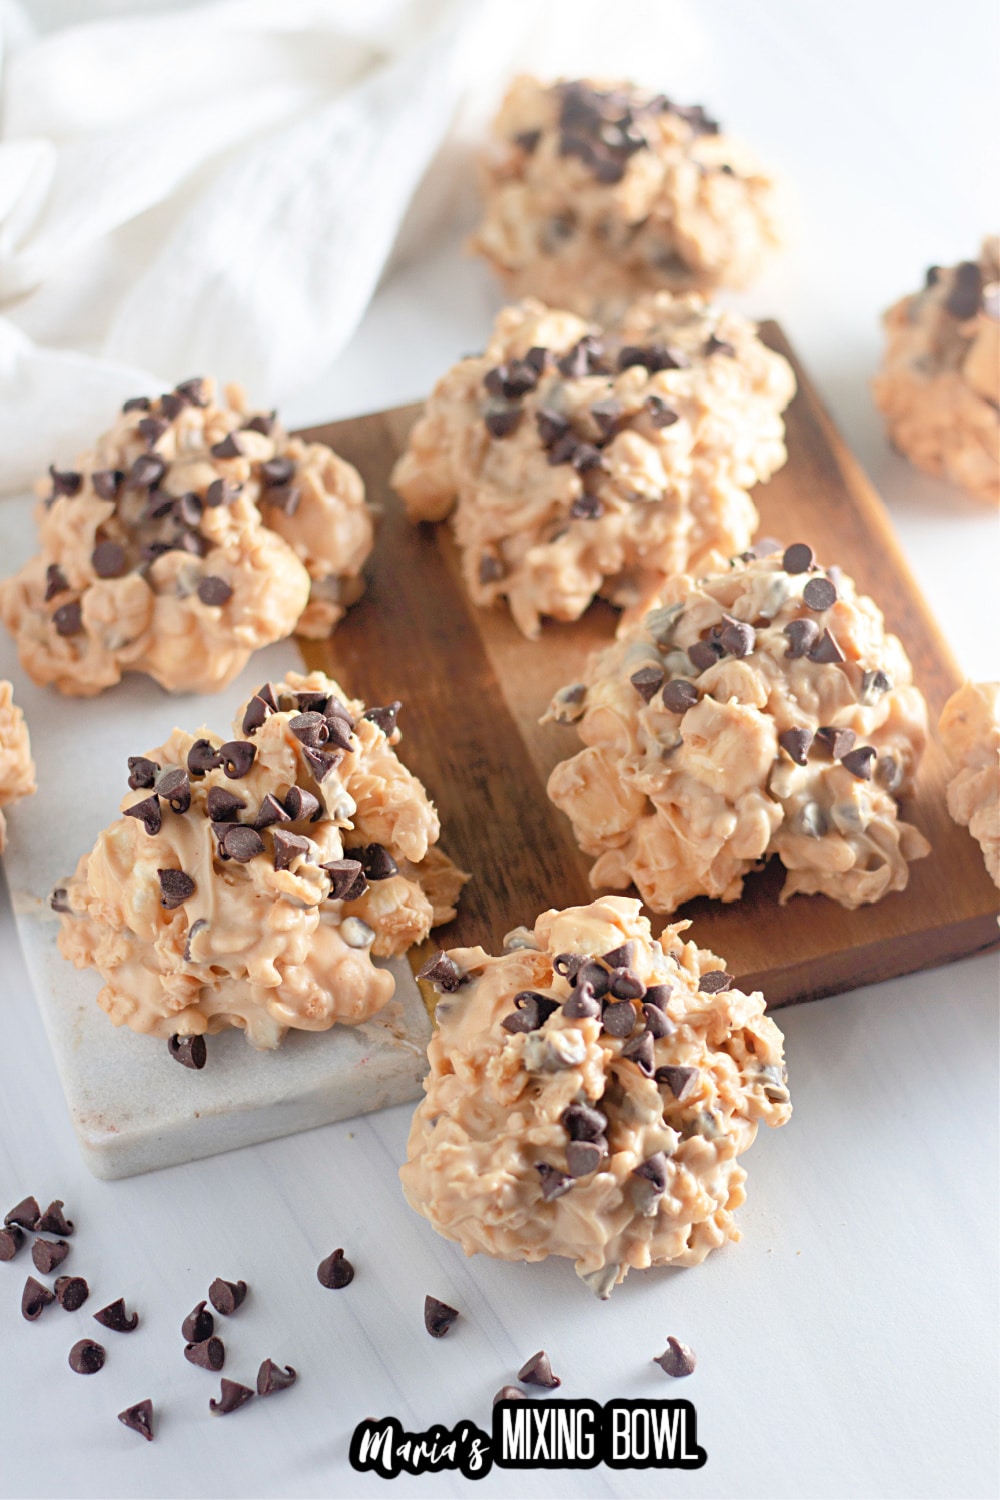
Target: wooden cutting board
[[473, 690]]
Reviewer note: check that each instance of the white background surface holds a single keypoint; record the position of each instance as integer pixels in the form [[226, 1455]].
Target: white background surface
[[848, 1346]]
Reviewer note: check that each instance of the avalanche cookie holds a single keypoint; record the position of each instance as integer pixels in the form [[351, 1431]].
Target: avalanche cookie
[[970, 730], [590, 1090], [759, 710], [17, 770], [939, 388], [195, 532], [250, 881], [596, 193], [581, 463]]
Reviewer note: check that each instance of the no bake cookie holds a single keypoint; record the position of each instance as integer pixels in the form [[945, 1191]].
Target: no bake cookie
[[759, 710], [939, 387], [589, 1093], [595, 193], [249, 882], [970, 730], [193, 533], [17, 769], [580, 462]]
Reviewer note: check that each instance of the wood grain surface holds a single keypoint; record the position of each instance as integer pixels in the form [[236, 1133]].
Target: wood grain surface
[[473, 690]]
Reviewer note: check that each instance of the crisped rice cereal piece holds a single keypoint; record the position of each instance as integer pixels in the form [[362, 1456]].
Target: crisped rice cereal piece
[[596, 193], [590, 1090], [939, 387], [581, 463], [761, 709], [17, 769], [194, 532], [250, 882], [970, 729]]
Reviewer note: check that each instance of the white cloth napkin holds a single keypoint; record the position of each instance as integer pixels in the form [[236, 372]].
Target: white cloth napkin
[[216, 188]]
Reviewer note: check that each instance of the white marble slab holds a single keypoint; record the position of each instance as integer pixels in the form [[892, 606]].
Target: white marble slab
[[132, 1108]]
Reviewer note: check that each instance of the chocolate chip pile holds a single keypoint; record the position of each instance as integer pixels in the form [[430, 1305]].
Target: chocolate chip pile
[[583, 461], [595, 194], [589, 1093], [760, 710], [193, 533], [306, 812]]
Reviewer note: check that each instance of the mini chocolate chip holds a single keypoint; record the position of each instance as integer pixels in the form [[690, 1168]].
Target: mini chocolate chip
[[285, 498], [582, 1004], [659, 413], [222, 806], [376, 861], [233, 1396], [384, 718], [147, 471], [338, 729], [54, 1221], [276, 471], [563, 449], [241, 843], [438, 1317], [207, 1354], [582, 1158], [625, 985], [257, 711], [229, 447], [142, 772], [654, 1170], [68, 618], [665, 357], [715, 345], [796, 742], [538, 1371], [11, 1240], [554, 1183], [191, 541], [859, 761], [65, 482], [584, 358], [148, 812], [509, 1393], [151, 429], [271, 1378], [737, 638], [679, 696], [335, 1272], [174, 787], [586, 508], [704, 654], [213, 590], [189, 509], [798, 558], [621, 957], [237, 757], [171, 406], [262, 422], [586, 456], [34, 1298], [679, 1080], [321, 762], [115, 1317], [221, 492], [286, 846], [190, 1051], [343, 875], [608, 416], [640, 1051], [86, 1357], [55, 582], [837, 741], [176, 887], [963, 299], [309, 729], [203, 757], [658, 1024], [47, 1254], [826, 650], [552, 426], [227, 1296], [442, 972], [715, 982], [647, 682], [71, 1292], [595, 975], [24, 1214], [583, 1123], [139, 1418], [137, 403], [198, 1326], [819, 594], [107, 483], [659, 995], [619, 1018], [193, 390], [108, 560], [801, 636], [59, 899], [677, 1359], [270, 812], [567, 965], [502, 420]]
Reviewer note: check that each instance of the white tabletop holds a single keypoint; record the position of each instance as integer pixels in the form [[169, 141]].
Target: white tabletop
[[848, 1346]]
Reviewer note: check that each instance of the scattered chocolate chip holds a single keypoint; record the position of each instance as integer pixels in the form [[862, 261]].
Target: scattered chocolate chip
[[584, 358], [640, 1051], [255, 714], [339, 732], [215, 591], [227, 1296], [198, 1326], [232, 1398], [509, 1393], [335, 1272], [704, 654], [107, 483], [193, 391], [24, 1214], [567, 965], [619, 1018], [68, 618], [737, 638], [321, 762], [552, 426], [376, 861], [208, 1353], [584, 1123], [11, 1240], [963, 299], [34, 1298], [285, 498], [501, 420], [222, 805], [582, 1004], [344, 875], [108, 560], [538, 1371], [801, 636], [716, 345], [55, 582], [176, 887], [554, 1183], [151, 429], [625, 985], [175, 788], [859, 762], [276, 471], [595, 975], [139, 1418], [71, 1292], [679, 696], [582, 1158], [826, 650], [798, 558], [54, 1221], [142, 773], [47, 1254], [149, 813], [171, 406], [384, 718], [796, 742], [286, 846], [654, 1170], [221, 492], [586, 456], [86, 1357], [531, 1011], [188, 509], [270, 812], [658, 1024], [442, 972], [819, 594], [65, 482], [659, 413], [147, 471], [586, 508], [229, 447], [115, 1317], [309, 729], [677, 1359], [137, 403], [438, 1317], [203, 757], [659, 995], [237, 757], [262, 422], [271, 1378], [715, 982], [873, 685], [190, 1051], [647, 682], [241, 843], [837, 741], [679, 1080]]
